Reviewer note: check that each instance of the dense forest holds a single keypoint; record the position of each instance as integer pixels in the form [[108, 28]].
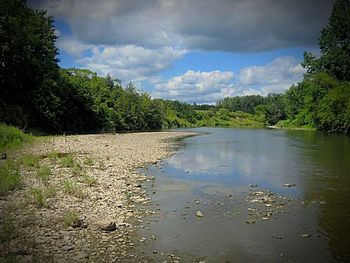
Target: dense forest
[[37, 95]]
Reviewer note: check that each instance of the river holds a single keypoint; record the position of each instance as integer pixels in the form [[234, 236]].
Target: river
[[226, 174]]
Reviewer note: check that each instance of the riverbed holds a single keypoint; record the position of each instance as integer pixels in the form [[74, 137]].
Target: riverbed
[[262, 196]]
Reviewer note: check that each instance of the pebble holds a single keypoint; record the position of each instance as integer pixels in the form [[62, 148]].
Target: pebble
[[106, 225], [278, 237], [250, 221], [199, 214], [305, 235], [67, 248], [289, 185]]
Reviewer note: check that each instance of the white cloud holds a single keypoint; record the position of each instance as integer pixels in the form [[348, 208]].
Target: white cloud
[[72, 46], [129, 62], [274, 77], [208, 87], [196, 86]]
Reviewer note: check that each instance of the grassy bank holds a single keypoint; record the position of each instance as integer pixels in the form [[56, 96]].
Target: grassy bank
[[292, 125], [11, 139], [226, 118]]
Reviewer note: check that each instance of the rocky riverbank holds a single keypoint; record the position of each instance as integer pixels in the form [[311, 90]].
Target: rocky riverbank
[[78, 196]]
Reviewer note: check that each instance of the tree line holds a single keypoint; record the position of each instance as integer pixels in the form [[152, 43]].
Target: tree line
[[322, 99], [36, 94]]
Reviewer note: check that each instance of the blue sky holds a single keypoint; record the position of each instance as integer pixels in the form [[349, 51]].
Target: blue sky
[[191, 50]]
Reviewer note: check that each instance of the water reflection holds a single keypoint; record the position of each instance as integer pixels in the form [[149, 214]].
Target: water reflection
[[231, 159], [329, 181], [242, 157]]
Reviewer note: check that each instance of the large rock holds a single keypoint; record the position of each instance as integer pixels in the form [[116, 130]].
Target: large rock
[[106, 225]]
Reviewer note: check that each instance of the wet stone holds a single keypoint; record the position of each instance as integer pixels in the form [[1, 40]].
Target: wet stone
[[250, 221], [305, 235], [105, 225], [289, 185]]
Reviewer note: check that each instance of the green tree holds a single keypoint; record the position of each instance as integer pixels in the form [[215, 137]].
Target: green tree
[[334, 112], [334, 44], [27, 61]]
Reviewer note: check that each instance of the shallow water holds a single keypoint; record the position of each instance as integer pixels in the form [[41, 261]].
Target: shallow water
[[212, 172]]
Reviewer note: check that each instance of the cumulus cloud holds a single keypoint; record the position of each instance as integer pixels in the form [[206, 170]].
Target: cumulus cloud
[[240, 25], [129, 62], [208, 87], [196, 86], [72, 46], [136, 40], [274, 77]]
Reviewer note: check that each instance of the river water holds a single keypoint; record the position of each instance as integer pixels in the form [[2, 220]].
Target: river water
[[220, 171]]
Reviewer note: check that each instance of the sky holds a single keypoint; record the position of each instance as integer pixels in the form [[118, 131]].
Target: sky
[[196, 51]]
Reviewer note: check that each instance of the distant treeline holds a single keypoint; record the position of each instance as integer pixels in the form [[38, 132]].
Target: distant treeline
[[36, 94]]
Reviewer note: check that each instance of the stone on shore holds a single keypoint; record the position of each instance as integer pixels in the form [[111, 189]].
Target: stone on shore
[[106, 225]]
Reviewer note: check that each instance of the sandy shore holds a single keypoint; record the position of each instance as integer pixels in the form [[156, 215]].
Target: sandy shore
[[79, 186]]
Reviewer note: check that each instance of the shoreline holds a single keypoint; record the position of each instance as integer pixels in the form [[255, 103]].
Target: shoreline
[[83, 208], [273, 127]]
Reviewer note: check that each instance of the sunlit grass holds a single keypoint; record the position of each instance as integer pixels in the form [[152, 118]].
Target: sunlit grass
[[12, 138], [71, 188], [10, 177], [44, 173], [70, 218], [68, 161]]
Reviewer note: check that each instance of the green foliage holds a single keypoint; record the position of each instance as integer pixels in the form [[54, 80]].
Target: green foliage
[[293, 124], [245, 103], [10, 177], [334, 44], [270, 109], [89, 161], [38, 197], [12, 138], [334, 109], [90, 181], [44, 173], [71, 188], [68, 161], [27, 61], [322, 99], [50, 191], [319, 101], [30, 160], [226, 118], [70, 218], [77, 170], [53, 156], [7, 225]]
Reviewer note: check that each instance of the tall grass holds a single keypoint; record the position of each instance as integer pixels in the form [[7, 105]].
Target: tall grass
[[9, 176], [11, 138]]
